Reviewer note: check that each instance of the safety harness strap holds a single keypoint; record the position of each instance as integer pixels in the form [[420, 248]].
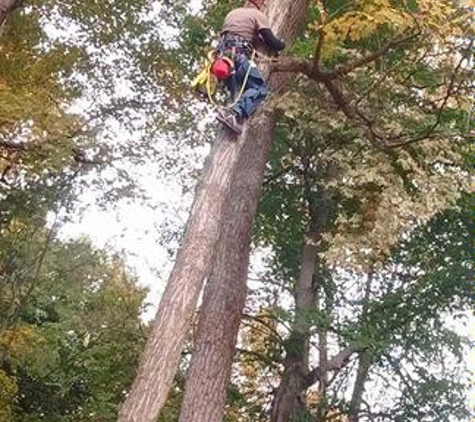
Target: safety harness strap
[[229, 46], [234, 44]]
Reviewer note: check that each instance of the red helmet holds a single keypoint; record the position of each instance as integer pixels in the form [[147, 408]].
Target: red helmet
[[222, 68]]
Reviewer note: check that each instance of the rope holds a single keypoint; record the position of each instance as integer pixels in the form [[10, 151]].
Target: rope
[[243, 86]]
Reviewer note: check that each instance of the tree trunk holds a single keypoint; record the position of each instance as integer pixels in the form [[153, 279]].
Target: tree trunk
[[289, 400], [161, 356], [364, 363], [6, 7], [225, 293], [364, 366]]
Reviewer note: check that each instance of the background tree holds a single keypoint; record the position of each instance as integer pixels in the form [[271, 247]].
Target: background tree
[[70, 325]]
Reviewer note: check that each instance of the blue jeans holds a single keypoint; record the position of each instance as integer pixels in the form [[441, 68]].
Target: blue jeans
[[255, 91]]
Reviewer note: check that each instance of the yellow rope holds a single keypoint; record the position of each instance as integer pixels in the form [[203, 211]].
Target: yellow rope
[[243, 86]]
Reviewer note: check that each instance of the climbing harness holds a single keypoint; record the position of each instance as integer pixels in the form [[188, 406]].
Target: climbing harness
[[219, 67]]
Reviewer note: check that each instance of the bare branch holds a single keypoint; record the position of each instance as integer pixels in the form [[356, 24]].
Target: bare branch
[[430, 132], [15, 146], [336, 363], [290, 65], [79, 155], [345, 69]]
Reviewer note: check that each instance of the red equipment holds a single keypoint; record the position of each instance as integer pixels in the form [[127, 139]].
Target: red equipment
[[222, 68]]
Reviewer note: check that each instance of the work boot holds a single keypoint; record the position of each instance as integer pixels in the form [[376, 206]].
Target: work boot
[[230, 119]]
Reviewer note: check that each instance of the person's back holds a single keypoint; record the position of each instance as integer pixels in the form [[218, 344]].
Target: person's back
[[245, 22]]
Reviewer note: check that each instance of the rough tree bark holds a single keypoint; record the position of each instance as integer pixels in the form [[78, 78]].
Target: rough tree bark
[[6, 7], [225, 292], [161, 356]]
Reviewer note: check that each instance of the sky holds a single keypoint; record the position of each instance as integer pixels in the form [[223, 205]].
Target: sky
[[140, 229]]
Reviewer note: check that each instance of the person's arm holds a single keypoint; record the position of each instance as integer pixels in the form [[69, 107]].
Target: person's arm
[[264, 30], [271, 40]]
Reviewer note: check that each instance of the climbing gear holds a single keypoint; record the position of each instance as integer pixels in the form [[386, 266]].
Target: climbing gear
[[222, 68], [218, 68], [220, 63], [205, 84], [230, 43], [230, 119]]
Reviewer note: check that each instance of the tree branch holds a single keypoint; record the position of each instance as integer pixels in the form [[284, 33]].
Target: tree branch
[[311, 67], [79, 155], [430, 131], [345, 69], [15, 146], [336, 363], [290, 65]]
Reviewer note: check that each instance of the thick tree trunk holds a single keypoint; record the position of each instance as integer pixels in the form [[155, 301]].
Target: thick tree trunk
[[161, 356], [225, 292], [6, 7], [193, 263]]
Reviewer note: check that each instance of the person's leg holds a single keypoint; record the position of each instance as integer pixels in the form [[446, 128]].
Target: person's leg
[[255, 91], [251, 100], [232, 85]]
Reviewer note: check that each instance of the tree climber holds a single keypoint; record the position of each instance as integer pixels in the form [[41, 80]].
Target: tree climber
[[245, 31]]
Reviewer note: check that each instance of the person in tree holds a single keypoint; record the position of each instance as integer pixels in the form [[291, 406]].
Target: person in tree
[[245, 30]]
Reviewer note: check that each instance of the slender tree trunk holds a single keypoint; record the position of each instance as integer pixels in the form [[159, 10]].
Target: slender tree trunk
[[365, 361], [323, 382], [364, 366], [289, 400], [6, 7], [225, 293]]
